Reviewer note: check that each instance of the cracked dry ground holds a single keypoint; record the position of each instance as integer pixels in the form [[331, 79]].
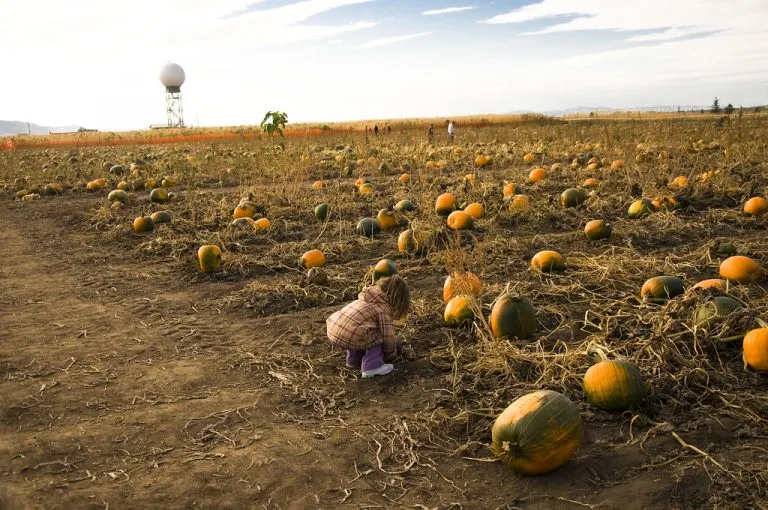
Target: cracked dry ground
[[123, 387]]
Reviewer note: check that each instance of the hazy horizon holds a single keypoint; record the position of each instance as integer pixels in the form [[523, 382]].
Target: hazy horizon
[[344, 60]]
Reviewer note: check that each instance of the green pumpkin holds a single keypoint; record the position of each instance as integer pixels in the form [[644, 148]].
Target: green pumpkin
[[726, 249], [322, 211], [513, 317], [640, 208], [368, 227], [715, 308], [159, 196], [661, 288], [404, 206], [160, 217], [117, 195], [573, 197]]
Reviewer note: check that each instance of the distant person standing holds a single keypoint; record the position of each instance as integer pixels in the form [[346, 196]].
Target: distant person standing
[[431, 133], [389, 129], [451, 130], [375, 130]]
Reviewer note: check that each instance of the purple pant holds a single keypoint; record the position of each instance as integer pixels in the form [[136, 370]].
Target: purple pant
[[371, 359]]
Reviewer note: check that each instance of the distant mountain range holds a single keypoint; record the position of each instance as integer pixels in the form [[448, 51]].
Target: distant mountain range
[[15, 127]]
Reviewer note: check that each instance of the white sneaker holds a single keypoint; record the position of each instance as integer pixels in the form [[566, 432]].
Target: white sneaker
[[382, 370]]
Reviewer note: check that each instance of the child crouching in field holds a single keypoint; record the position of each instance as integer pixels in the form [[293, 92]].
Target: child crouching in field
[[365, 327]]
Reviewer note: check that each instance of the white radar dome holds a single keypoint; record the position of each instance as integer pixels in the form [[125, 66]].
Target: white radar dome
[[172, 75]]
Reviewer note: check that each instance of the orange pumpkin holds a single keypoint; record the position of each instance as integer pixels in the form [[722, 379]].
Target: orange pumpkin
[[209, 257], [614, 385], [678, 182], [538, 174], [405, 179], [262, 224], [756, 206], [244, 209], [617, 165], [597, 229], [756, 349], [465, 283], [445, 204], [365, 189], [529, 158], [519, 203], [313, 258], [591, 183], [143, 224], [482, 161], [476, 210], [741, 269], [410, 241], [459, 310], [94, 186], [359, 182], [460, 220], [537, 433], [712, 283], [510, 189], [547, 261], [317, 185], [387, 219]]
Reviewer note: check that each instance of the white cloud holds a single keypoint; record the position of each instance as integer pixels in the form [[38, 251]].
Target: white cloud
[[448, 10], [667, 35], [707, 39], [391, 40], [651, 14]]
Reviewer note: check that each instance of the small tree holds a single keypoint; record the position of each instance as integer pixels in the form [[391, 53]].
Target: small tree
[[729, 109], [716, 106], [273, 123]]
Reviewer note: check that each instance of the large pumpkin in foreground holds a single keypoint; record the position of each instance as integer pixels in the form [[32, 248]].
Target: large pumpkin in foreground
[[513, 317], [614, 385], [537, 433]]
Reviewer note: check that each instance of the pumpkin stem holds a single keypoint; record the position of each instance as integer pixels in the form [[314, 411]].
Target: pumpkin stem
[[762, 323]]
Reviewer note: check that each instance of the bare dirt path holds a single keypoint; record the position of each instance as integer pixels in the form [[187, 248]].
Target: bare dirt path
[[122, 387]]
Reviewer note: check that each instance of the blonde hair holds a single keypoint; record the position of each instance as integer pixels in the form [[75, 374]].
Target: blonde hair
[[398, 295]]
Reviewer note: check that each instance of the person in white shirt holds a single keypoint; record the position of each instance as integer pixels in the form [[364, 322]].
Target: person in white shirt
[[451, 130]]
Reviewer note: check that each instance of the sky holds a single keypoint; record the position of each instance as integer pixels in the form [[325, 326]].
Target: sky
[[95, 63]]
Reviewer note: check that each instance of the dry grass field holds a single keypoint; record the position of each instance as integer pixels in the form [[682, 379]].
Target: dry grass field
[[130, 379]]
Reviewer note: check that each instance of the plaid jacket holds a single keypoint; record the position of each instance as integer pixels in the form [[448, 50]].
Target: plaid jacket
[[364, 323]]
